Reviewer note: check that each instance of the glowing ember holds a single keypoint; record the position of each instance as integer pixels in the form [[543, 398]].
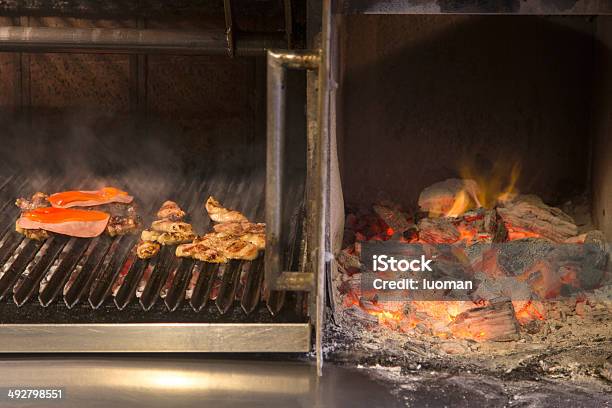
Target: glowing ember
[[461, 213]]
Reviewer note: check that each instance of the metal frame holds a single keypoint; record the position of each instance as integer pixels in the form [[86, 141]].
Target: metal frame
[[278, 62], [155, 337], [135, 41]]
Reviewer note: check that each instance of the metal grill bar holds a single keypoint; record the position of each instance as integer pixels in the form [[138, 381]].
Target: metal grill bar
[[52, 285], [82, 276], [159, 274], [227, 291], [103, 267], [252, 290], [10, 276], [29, 283], [176, 293], [103, 283], [203, 287], [127, 290]]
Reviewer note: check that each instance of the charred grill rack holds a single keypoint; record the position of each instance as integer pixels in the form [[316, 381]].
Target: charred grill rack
[[94, 287], [91, 299]]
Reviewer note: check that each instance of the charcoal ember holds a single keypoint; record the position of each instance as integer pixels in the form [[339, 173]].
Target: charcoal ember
[[356, 315], [490, 288], [494, 322], [438, 231], [411, 234], [394, 218], [514, 257], [351, 285], [529, 213], [440, 197], [589, 262], [348, 259], [495, 226], [476, 253]]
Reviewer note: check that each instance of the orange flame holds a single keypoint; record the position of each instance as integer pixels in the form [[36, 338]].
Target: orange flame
[[498, 185]]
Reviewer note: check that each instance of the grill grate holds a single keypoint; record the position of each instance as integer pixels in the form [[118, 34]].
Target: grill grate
[[105, 272]]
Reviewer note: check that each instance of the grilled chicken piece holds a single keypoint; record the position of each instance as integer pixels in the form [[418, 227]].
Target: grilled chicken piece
[[259, 240], [168, 230], [37, 234], [173, 238], [218, 213], [201, 252], [228, 246], [167, 238], [171, 226], [121, 225], [170, 211], [239, 228], [38, 200], [147, 249], [239, 249], [148, 235]]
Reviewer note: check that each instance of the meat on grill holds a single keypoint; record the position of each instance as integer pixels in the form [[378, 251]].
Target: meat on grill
[[121, 225], [36, 234], [147, 249], [167, 230], [219, 247], [38, 200], [218, 213], [259, 240], [123, 217], [75, 223], [171, 226], [89, 198], [239, 228], [234, 237], [167, 238], [170, 211], [201, 252]]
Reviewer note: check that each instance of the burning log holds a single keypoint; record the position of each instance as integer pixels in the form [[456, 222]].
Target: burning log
[[474, 226], [495, 322], [438, 231], [357, 315], [450, 197], [529, 213]]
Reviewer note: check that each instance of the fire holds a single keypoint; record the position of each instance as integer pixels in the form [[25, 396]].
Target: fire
[[468, 204], [518, 233], [496, 186], [461, 204]]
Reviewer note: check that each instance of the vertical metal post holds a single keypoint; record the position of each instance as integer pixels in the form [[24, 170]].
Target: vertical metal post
[[278, 62], [323, 196], [276, 100]]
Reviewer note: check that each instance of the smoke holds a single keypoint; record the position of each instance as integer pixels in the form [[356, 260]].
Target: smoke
[[89, 150]]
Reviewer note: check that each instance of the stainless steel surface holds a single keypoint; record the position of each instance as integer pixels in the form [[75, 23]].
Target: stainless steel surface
[[323, 172], [155, 337], [191, 381], [526, 7], [133, 41], [277, 63]]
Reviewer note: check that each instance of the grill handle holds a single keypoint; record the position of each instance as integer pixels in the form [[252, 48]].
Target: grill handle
[[277, 64]]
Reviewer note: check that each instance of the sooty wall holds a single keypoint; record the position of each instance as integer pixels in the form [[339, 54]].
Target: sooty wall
[[424, 95]]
